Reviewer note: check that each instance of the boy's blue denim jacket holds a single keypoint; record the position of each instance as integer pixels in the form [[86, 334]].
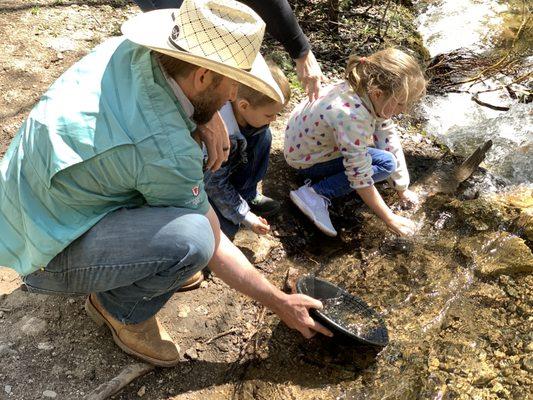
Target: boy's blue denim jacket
[[220, 190]]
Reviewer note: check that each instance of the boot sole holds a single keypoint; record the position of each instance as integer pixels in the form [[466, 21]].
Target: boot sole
[[100, 320], [309, 214]]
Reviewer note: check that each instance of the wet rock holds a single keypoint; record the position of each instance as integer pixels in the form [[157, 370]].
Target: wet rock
[[497, 388], [433, 364], [481, 214], [484, 374], [527, 362], [498, 253], [519, 201], [256, 247]]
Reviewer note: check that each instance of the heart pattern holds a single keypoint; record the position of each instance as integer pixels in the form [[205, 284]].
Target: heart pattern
[[312, 138]]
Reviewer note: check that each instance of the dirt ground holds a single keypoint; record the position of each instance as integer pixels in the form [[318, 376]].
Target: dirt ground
[[478, 346]]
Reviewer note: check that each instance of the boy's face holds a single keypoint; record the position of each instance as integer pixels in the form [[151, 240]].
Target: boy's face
[[260, 115]]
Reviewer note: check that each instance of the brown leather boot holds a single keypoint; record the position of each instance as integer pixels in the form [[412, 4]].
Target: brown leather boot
[[193, 282], [147, 340]]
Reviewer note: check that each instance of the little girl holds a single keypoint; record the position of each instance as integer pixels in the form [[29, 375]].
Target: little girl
[[327, 139]]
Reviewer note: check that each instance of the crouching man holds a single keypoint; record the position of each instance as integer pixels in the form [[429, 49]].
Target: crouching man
[[101, 190]]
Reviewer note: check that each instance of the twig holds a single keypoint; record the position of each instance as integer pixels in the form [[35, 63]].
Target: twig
[[96, 19], [232, 330], [127, 375], [488, 105], [6, 309]]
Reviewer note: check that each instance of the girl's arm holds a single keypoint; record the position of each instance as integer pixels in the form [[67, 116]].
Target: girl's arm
[[386, 138]]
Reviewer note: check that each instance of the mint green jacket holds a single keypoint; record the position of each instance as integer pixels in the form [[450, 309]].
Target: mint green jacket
[[109, 133]]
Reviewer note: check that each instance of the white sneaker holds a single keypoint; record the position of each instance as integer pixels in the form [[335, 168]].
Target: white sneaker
[[315, 207]]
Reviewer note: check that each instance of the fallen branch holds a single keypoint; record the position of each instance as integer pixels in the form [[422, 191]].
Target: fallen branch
[[127, 375]]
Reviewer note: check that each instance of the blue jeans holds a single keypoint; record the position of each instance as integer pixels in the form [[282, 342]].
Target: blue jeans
[[134, 259], [330, 176], [245, 176]]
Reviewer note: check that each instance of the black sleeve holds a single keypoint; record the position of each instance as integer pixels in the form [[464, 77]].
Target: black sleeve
[[281, 24]]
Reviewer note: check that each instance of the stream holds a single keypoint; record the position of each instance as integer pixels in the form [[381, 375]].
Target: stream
[[484, 27]]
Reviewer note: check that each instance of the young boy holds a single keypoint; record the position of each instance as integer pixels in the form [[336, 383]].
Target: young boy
[[232, 189]]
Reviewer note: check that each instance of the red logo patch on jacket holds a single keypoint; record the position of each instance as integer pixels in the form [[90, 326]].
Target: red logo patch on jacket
[[195, 190]]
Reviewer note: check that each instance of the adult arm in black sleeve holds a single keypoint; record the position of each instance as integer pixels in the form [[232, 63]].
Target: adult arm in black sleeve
[[282, 25]]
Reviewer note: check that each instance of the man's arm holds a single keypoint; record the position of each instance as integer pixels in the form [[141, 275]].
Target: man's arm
[[230, 265]]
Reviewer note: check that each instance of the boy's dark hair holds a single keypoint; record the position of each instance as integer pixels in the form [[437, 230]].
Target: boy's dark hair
[[258, 99]]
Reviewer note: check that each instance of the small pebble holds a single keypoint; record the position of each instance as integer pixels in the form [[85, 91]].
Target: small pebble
[[141, 391], [202, 310], [50, 394], [191, 354], [183, 311], [7, 389]]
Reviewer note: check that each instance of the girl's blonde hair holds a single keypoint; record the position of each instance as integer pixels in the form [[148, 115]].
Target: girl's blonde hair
[[392, 71]]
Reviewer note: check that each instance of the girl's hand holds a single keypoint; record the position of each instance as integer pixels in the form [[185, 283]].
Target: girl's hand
[[260, 225], [408, 197], [401, 226]]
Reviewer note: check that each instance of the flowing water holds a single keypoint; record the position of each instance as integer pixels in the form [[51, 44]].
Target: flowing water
[[486, 28]]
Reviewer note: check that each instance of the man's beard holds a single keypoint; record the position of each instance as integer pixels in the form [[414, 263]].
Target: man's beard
[[206, 104]]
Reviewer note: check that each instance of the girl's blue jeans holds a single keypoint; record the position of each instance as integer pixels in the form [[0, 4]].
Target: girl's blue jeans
[[330, 178], [134, 259]]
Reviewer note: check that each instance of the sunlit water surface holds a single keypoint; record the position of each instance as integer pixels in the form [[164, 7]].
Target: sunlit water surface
[[455, 119]]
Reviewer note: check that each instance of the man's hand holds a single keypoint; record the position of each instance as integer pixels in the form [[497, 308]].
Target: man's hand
[[309, 75], [216, 139], [294, 311]]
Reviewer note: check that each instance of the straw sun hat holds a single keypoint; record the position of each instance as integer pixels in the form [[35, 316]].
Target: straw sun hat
[[221, 35]]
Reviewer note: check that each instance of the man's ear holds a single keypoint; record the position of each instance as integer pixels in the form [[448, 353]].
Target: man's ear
[[201, 78]]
